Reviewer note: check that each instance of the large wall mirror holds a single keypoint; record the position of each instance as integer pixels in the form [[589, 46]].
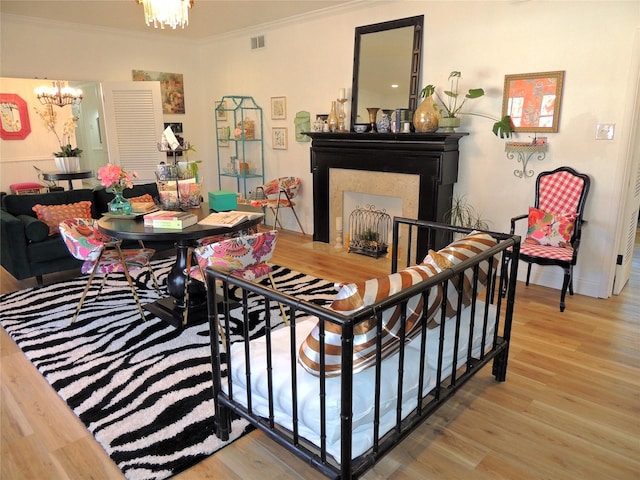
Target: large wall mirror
[[533, 101], [386, 66]]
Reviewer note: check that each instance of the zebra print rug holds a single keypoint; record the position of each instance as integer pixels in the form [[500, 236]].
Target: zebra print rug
[[143, 389]]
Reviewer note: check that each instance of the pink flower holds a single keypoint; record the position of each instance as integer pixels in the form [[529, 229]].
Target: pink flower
[[114, 177]]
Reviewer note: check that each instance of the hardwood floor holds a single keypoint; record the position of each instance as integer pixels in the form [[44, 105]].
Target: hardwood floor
[[570, 408]]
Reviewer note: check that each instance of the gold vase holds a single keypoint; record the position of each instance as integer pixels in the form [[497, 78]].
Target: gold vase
[[373, 112], [425, 118]]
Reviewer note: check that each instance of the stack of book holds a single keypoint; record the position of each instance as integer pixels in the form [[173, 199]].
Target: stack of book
[[170, 220]]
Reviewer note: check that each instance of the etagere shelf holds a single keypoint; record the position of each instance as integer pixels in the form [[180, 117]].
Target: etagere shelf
[[240, 144]]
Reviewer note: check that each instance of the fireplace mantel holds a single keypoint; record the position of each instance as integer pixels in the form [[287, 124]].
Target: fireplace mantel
[[431, 156]]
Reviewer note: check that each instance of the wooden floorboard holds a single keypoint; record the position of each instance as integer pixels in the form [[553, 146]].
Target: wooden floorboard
[[570, 408]]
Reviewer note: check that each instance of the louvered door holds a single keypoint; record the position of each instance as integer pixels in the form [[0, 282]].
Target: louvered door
[[134, 125]]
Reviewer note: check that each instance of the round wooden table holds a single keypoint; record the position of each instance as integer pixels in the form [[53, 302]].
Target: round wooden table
[[171, 308], [70, 176]]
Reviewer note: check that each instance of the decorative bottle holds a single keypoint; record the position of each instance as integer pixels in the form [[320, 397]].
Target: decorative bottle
[[384, 124], [333, 118]]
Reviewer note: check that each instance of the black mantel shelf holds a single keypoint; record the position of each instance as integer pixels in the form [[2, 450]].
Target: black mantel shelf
[[432, 156]]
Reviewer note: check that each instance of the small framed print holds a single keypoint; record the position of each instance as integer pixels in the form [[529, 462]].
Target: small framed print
[[221, 113], [223, 136], [279, 138], [278, 108]]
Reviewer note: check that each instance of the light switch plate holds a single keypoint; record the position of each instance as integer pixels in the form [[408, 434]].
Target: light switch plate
[[604, 131]]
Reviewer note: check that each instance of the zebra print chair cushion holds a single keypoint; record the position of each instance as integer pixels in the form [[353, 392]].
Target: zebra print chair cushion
[[356, 296]]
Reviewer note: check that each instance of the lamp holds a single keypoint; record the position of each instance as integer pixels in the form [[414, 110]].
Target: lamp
[[166, 12], [59, 94]]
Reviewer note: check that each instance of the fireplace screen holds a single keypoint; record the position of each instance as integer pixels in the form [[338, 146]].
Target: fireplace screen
[[369, 231]]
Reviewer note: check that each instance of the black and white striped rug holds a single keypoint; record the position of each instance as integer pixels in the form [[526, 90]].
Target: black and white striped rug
[[143, 389]]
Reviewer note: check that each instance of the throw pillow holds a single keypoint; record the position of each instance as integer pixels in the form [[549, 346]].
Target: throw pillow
[[356, 296], [34, 229], [52, 215], [454, 254], [550, 229]]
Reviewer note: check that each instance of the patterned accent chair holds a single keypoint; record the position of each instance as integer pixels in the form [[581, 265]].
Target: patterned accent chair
[[102, 254], [244, 257], [555, 223], [277, 194]]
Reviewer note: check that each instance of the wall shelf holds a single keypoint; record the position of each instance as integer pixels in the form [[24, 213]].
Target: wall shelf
[[524, 153]]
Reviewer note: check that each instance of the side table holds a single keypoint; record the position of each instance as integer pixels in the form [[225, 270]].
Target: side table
[[54, 176]]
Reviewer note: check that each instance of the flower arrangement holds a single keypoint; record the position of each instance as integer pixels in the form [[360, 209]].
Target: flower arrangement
[[114, 178], [50, 119]]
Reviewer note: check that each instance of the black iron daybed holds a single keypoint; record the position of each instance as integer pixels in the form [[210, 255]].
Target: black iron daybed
[[342, 385]]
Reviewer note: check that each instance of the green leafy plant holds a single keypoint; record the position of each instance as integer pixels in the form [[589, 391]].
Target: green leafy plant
[[453, 103], [463, 214]]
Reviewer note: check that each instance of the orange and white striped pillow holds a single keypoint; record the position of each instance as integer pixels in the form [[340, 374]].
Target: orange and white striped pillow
[[454, 254], [356, 296]]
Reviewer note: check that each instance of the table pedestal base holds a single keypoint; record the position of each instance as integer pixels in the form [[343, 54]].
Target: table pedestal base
[[167, 310]]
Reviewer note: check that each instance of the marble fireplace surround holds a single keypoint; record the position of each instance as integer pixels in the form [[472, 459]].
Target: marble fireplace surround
[[400, 185], [369, 164]]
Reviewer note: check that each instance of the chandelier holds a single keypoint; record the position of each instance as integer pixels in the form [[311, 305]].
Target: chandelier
[[59, 94], [166, 12]]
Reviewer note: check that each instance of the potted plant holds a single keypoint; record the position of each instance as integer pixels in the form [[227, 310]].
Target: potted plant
[[463, 214], [68, 157], [453, 103]]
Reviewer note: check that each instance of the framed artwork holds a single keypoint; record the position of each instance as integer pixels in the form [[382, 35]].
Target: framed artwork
[[223, 136], [171, 88], [533, 101], [176, 127], [279, 138], [221, 113], [278, 108], [14, 117]]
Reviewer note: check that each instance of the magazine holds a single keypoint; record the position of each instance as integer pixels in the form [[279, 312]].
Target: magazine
[[229, 219]]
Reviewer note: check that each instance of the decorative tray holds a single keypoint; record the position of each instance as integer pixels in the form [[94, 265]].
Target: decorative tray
[[131, 216]]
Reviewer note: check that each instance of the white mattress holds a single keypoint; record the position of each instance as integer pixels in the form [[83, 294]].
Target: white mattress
[[363, 388]]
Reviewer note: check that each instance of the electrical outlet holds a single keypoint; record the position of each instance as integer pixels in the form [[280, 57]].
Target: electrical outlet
[[604, 131]]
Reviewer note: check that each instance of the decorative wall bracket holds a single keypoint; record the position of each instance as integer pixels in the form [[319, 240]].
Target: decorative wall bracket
[[524, 152]]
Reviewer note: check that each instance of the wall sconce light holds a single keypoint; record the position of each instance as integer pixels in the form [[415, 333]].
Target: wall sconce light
[[59, 95]]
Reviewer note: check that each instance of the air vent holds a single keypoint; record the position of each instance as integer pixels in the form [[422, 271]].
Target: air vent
[[257, 42]]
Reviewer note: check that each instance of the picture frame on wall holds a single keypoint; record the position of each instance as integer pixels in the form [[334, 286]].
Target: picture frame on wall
[[223, 136], [221, 112], [279, 138], [278, 108]]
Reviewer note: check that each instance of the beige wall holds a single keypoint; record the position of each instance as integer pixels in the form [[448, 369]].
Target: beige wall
[[309, 60]]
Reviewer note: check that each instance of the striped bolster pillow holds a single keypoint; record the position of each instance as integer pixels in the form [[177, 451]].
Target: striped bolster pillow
[[455, 253], [355, 296]]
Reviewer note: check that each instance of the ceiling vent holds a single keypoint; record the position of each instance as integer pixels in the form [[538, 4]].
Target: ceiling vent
[[257, 42]]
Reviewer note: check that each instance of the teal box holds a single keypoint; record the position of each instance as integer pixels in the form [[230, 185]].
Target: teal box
[[222, 200]]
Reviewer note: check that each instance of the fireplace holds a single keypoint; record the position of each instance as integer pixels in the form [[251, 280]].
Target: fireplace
[[430, 158]]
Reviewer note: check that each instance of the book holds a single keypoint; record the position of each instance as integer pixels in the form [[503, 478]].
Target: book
[[143, 207], [229, 219], [170, 220]]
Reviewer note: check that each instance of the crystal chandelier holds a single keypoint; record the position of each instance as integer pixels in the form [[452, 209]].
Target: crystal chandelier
[[166, 12], [59, 94]]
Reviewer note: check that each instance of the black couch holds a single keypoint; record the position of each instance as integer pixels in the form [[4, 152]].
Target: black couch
[[28, 251]]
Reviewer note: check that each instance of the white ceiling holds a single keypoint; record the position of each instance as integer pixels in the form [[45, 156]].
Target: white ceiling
[[206, 18]]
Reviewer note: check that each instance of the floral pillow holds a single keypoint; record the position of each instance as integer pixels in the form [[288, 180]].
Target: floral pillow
[[550, 229], [52, 215]]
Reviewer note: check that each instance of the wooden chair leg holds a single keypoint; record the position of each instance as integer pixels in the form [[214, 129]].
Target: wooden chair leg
[[565, 284], [130, 281], [528, 274], [284, 315], [86, 288]]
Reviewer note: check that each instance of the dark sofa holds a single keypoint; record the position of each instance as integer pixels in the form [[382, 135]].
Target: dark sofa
[[26, 249]]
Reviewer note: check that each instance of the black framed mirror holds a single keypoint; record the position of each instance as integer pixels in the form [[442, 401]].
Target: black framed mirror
[[386, 66]]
